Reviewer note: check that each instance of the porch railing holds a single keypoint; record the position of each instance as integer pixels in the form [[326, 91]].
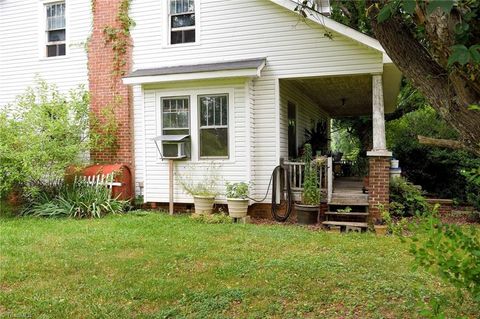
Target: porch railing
[[296, 176]]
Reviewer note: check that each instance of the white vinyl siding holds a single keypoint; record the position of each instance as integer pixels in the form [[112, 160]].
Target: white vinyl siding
[[242, 29], [22, 53], [155, 172]]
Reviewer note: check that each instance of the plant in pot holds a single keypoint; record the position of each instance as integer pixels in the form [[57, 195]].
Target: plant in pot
[[203, 190], [308, 209], [237, 200]]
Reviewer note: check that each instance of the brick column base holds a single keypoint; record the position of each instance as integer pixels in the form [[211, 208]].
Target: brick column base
[[378, 185]]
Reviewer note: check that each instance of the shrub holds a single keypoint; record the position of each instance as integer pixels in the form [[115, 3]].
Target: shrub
[[41, 134], [450, 251], [237, 190], [77, 200], [406, 199], [473, 186], [205, 185], [311, 191]]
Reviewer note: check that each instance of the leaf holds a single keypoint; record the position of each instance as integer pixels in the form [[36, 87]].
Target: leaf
[[460, 54], [444, 5], [474, 107], [385, 13], [409, 6], [475, 52]]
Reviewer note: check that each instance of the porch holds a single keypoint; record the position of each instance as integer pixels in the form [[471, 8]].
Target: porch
[[338, 97]]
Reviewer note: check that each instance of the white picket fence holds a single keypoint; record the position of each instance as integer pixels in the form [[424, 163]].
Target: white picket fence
[[100, 179]]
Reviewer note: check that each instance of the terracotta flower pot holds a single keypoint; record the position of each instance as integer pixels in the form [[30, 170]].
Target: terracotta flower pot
[[380, 229], [203, 204], [307, 214], [237, 207]]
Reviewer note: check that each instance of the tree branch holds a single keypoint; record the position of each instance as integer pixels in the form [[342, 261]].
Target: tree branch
[[438, 142]]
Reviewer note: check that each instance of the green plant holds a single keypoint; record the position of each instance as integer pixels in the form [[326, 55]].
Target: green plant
[[345, 210], [119, 37], [42, 134], [450, 251], [237, 190], [76, 200], [205, 185], [409, 196], [211, 218], [473, 186], [311, 191]]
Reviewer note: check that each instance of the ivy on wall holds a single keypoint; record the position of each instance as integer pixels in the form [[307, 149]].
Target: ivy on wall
[[118, 38]]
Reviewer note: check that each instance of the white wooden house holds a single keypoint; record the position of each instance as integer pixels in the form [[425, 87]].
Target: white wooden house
[[226, 73]]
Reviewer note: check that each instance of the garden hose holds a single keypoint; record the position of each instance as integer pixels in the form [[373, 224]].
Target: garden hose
[[287, 202]]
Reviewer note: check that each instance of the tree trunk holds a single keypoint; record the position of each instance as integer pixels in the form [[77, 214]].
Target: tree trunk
[[450, 94]]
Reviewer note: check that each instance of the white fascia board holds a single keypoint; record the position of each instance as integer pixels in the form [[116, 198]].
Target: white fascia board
[[254, 72], [338, 27]]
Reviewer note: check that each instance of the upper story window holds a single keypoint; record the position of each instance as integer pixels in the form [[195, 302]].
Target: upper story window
[[182, 21], [55, 29]]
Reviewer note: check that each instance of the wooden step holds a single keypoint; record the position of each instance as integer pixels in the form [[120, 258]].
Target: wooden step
[[347, 214], [351, 224], [348, 202]]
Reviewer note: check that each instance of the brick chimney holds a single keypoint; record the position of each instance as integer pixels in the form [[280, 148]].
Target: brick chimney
[[110, 98]]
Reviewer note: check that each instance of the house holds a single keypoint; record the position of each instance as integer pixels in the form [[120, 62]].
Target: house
[[231, 75]]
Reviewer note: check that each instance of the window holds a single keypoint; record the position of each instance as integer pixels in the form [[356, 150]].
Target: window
[[182, 21], [55, 29], [213, 114], [175, 116]]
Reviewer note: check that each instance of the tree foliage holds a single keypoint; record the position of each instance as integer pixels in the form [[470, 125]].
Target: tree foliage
[[41, 134]]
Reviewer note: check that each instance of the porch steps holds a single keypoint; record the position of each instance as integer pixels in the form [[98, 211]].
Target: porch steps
[[347, 214], [345, 224], [348, 202]]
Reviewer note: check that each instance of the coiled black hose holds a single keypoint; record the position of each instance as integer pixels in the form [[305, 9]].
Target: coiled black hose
[[285, 204]]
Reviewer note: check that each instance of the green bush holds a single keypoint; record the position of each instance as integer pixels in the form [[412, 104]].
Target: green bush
[[311, 191], [42, 134], [77, 200], [406, 199], [450, 251], [473, 186]]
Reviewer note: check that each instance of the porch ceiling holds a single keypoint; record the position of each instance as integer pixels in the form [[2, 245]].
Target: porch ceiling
[[339, 96]]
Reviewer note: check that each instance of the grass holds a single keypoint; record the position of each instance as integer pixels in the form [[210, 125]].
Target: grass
[[148, 265]]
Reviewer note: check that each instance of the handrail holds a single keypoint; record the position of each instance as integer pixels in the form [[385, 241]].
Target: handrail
[[295, 173]]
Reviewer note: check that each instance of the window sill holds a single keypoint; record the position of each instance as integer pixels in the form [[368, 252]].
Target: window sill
[[54, 58], [181, 45]]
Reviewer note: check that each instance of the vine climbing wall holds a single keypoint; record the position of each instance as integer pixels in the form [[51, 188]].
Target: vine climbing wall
[[110, 58]]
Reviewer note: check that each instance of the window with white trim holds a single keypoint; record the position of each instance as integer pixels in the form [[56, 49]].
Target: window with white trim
[[176, 115], [182, 21], [213, 113], [55, 29]]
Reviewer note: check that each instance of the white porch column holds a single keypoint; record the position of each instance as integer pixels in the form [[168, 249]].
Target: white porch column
[[378, 119]]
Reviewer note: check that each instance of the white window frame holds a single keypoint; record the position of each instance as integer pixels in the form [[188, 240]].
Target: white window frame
[[214, 127], [195, 120], [42, 26], [189, 113], [166, 34]]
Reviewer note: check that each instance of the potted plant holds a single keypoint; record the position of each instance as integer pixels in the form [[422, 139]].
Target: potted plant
[[308, 209], [203, 190], [237, 200]]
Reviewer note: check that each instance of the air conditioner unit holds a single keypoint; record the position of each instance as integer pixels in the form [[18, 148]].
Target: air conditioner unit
[[173, 146]]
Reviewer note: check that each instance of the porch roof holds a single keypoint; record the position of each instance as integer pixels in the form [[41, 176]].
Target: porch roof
[[238, 68]]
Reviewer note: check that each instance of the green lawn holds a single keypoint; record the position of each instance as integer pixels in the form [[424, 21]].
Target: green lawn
[[148, 265]]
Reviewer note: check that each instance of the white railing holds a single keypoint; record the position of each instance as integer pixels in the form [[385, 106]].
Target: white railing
[[329, 179], [295, 173]]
